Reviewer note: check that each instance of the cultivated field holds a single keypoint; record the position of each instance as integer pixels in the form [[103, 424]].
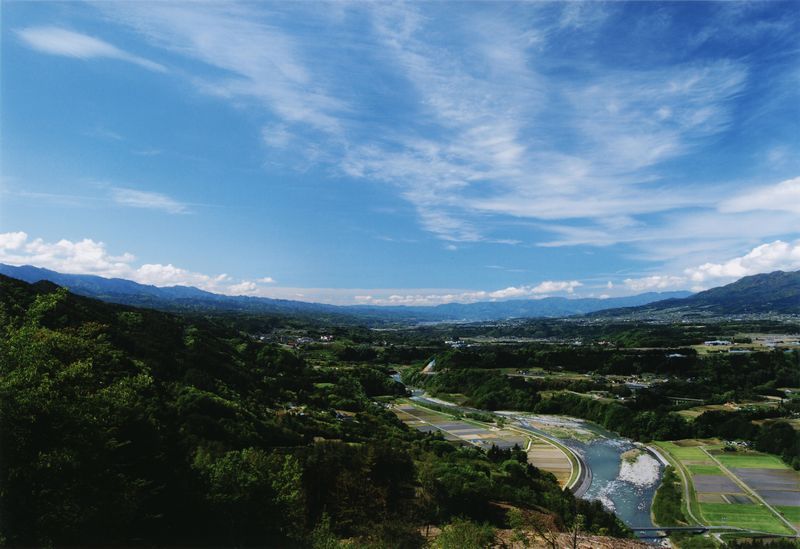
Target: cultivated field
[[745, 489], [541, 453]]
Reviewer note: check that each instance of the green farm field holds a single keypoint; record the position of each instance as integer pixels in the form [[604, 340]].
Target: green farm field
[[684, 453], [708, 505], [704, 470], [753, 517], [751, 461], [792, 514]]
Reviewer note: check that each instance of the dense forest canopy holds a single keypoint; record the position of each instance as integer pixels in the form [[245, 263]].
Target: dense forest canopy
[[125, 426]]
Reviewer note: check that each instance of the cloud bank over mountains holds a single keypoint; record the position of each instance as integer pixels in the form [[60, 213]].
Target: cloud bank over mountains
[[90, 257]]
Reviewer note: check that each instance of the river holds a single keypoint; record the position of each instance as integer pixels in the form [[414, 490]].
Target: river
[[626, 487]]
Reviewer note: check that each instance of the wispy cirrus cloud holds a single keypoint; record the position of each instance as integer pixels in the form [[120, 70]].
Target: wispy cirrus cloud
[[122, 196], [491, 105], [478, 145], [148, 200], [493, 117], [261, 64], [712, 228], [68, 43], [780, 197]]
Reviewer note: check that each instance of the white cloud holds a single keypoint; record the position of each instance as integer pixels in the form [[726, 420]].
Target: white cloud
[[686, 238], [656, 283], [783, 196], [556, 286], [489, 156], [772, 256], [12, 241], [262, 63], [433, 297], [91, 257], [59, 41], [118, 195], [148, 200], [276, 136], [488, 105]]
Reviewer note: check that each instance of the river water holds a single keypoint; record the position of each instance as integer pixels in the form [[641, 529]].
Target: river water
[[627, 489]]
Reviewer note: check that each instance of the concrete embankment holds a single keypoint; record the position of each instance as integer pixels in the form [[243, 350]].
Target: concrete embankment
[[581, 485]]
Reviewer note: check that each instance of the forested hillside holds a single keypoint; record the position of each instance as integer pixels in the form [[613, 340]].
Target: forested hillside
[[125, 426]]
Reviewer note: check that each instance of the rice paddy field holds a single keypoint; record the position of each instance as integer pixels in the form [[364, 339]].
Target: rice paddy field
[[745, 489], [541, 453]]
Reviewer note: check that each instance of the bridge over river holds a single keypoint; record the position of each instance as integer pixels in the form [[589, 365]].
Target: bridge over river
[[664, 531]]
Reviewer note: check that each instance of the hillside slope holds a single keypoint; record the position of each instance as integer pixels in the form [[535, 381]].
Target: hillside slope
[[777, 292], [132, 427]]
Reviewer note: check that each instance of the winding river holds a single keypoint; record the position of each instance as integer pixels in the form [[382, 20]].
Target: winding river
[[624, 486]]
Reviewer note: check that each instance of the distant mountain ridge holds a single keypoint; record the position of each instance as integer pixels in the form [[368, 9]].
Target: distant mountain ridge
[[127, 292], [776, 292]]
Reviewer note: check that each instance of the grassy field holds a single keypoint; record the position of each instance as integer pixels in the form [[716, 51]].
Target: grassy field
[[755, 517], [684, 453], [704, 470], [792, 514], [751, 461]]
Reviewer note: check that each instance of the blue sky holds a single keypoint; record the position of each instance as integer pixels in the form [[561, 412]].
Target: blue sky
[[412, 153]]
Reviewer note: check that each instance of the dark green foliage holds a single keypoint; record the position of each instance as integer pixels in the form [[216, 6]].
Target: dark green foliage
[[667, 502], [781, 439], [129, 427], [486, 389], [771, 543], [465, 534]]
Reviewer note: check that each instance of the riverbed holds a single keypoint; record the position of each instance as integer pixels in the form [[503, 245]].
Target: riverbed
[[624, 486]]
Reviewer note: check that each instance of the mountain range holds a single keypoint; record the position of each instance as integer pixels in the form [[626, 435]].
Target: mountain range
[[187, 298], [777, 292]]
